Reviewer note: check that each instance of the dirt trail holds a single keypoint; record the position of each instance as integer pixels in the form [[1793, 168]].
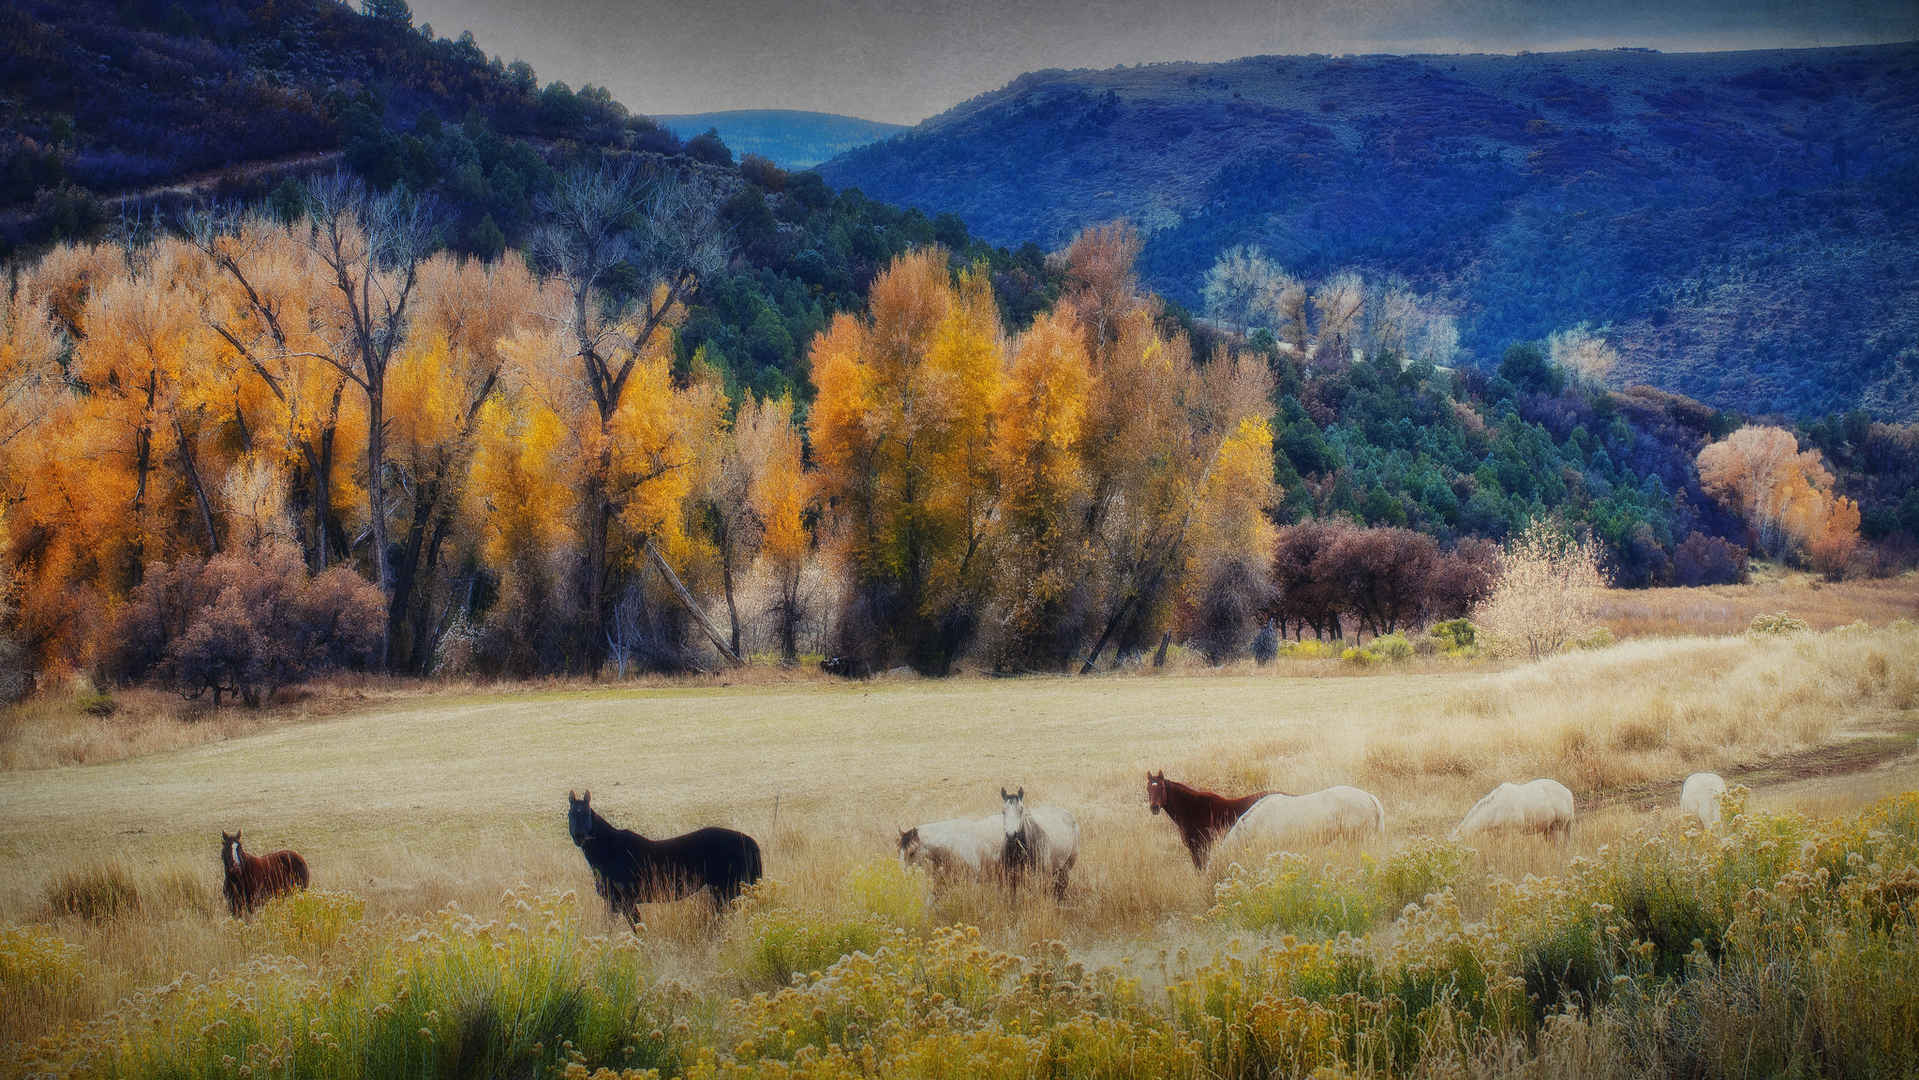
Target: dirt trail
[[196, 184]]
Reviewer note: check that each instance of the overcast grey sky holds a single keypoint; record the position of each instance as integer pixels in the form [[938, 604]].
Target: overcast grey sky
[[904, 60]]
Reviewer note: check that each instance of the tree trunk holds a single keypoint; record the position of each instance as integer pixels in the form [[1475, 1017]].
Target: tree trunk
[[376, 506], [199, 488], [790, 617], [732, 609], [692, 608]]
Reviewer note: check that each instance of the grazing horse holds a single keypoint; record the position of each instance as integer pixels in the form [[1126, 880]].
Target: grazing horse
[[1040, 838], [252, 880], [630, 870], [971, 847], [1201, 816]]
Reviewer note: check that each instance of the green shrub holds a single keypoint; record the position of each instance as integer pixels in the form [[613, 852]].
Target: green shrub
[[771, 943], [1392, 647], [1779, 622], [1287, 893], [1418, 869], [888, 891], [1599, 637], [1454, 634], [1308, 649], [311, 920]]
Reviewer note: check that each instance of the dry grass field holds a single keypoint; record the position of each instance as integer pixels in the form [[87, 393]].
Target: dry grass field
[[421, 801]]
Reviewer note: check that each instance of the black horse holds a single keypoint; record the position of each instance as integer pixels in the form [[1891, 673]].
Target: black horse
[[630, 870]]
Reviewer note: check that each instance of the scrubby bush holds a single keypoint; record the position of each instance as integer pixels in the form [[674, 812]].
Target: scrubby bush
[[96, 893], [1417, 869], [1287, 893], [1708, 560], [1266, 644], [311, 921], [1779, 622], [1546, 592], [1392, 647], [1454, 634], [246, 623]]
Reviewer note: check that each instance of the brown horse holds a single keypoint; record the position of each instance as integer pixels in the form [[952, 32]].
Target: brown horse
[[1202, 816], [252, 880]]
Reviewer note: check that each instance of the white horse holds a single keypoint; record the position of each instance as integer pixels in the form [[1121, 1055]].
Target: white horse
[[1340, 810], [1700, 797], [1041, 838], [955, 847], [1536, 806]]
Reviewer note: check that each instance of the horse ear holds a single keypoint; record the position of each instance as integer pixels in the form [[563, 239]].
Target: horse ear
[[587, 795], [570, 796], [1003, 795]]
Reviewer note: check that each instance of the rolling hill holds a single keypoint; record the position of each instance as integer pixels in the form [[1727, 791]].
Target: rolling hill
[[1744, 224], [790, 138]]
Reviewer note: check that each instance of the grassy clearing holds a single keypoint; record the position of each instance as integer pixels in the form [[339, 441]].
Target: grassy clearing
[[443, 816], [1728, 609]]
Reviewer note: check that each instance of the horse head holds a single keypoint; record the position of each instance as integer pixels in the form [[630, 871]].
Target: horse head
[[909, 844], [1013, 810], [1156, 791], [579, 816], [230, 853]]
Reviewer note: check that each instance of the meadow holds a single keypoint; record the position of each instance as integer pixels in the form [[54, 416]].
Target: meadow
[[452, 929]]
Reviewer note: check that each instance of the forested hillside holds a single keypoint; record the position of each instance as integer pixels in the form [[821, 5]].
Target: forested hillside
[[118, 116], [1743, 223], [505, 380], [790, 138]]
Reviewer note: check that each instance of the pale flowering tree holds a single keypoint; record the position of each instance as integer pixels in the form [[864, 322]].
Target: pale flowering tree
[[1547, 589], [1584, 356]]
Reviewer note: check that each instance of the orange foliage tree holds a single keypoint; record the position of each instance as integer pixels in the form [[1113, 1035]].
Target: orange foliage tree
[[1785, 495], [901, 432]]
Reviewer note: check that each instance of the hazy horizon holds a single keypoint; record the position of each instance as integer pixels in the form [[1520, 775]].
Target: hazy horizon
[[903, 62]]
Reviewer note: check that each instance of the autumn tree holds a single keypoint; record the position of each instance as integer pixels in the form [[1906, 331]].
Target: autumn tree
[[371, 247], [288, 402], [1585, 357], [1040, 552], [1154, 430], [1227, 571], [900, 430], [1785, 495], [778, 494], [599, 224], [448, 366]]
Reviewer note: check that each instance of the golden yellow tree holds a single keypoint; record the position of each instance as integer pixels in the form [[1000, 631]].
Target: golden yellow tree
[[448, 366], [780, 495], [1155, 426], [901, 429], [1040, 551]]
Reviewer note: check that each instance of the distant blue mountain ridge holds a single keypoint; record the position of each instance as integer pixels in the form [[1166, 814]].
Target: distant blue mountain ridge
[[1745, 225], [790, 138]]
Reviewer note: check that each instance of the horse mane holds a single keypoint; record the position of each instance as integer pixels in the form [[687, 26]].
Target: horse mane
[[1200, 815]]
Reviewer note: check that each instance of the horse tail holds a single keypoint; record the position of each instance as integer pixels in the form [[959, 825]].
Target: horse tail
[[297, 868], [753, 868]]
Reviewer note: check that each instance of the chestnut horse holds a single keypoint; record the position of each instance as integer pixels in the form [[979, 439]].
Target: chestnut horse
[[252, 880], [1202, 816]]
